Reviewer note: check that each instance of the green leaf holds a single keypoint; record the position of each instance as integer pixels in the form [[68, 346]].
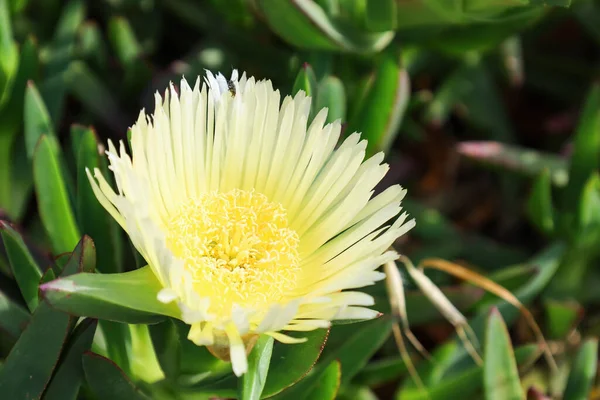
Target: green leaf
[[380, 116], [475, 36], [166, 343], [69, 375], [53, 200], [585, 158], [13, 317], [583, 372], [9, 55], [539, 205], [251, 384], [381, 15], [129, 297], [93, 218], [308, 384], [547, 261], [352, 392], [523, 161], [331, 94], [118, 341], [29, 366], [197, 363], [15, 174], [306, 80], [290, 362], [382, 370], [589, 205], [12, 111], [58, 56], [24, 268], [561, 317], [92, 92], [143, 362], [500, 374], [106, 379], [327, 386], [354, 344], [82, 259], [91, 46], [123, 40], [450, 376], [304, 24], [36, 118]]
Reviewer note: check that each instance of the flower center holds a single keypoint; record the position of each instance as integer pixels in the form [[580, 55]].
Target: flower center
[[237, 247]]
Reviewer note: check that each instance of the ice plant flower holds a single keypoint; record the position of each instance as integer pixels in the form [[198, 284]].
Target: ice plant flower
[[250, 218]]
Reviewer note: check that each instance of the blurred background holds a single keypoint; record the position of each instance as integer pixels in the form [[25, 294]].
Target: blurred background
[[488, 111]]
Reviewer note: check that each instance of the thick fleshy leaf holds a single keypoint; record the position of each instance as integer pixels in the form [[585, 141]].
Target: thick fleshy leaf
[[561, 317], [107, 381], [449, 377], [322, 382], [29, 366], [547, 262], [589, 205], [58, 57], [91, 46], [381, 15], [129, 297], [15, 174], [68, 377], [331, 94], [382, 370], [118, 342], [328, 384], [306, 80], [539, 205], [306, 25], [13, 317], [585, 158], [289, 364], [500, 374], [251, 384], [53, 199], [382, 111], [510, 278], [9, 56], [166, 343], [482, 105], [92, 92], [36, 118], [353, 345], [24, 268], [82, 259], [583, 372], [93, 218], [123, 40], [197, 361]]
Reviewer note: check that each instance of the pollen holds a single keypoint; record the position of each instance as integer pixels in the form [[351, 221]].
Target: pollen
[[237, 247]]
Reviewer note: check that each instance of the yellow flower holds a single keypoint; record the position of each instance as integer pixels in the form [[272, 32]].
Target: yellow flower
[[248, 216]]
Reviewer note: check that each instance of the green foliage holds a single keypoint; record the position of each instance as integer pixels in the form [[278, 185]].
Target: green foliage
[[488, 111]]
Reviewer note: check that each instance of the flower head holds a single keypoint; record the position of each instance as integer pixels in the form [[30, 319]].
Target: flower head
[[250, 218]]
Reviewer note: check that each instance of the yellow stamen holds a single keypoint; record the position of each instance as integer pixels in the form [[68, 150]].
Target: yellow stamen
[[238, 248]]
